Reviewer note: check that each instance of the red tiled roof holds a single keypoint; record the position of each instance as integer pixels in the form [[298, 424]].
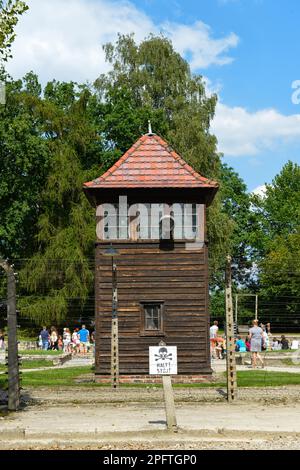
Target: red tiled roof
[[151, 163]]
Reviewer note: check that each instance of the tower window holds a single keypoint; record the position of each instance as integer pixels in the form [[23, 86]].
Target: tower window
[[152, 318]]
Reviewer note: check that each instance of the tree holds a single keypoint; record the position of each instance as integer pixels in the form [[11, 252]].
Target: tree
[[152, 81], [25, 159], [236, 203], [277, 242], [10, 10], [10, 145], [74, 130], [58, 279], [278, 212], [146, 81], [280, 274]]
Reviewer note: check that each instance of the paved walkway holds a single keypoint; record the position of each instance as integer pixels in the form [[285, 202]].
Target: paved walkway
[[130, 426], [79, 361], [76, 361], [219, 365]]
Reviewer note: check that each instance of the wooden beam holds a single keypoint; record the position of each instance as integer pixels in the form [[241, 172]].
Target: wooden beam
[[169, 404], [12, 356], [114, 331], [230, 347]]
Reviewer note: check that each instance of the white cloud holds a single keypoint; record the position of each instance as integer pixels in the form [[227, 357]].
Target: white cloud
[[63, 39], [240, 132], [260, 190], [212, 87], [197, 42]]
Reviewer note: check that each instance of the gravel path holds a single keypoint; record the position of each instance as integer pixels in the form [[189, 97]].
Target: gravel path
[[133, 418], [202, 425], [85, 395], [83, 417]]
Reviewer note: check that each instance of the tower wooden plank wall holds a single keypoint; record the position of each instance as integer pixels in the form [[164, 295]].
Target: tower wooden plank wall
[[146, 272]]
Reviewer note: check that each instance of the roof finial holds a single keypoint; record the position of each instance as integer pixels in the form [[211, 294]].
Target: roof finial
[[149, 127]]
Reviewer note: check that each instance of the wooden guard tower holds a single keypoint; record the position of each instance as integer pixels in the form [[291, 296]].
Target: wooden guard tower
[[150, 207]]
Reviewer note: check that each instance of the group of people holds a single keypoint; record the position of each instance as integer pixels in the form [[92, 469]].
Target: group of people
[[78, 342], [217, 343], [257, 340]]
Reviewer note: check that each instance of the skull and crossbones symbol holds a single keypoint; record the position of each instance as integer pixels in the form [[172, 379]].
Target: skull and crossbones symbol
[[163, 355]]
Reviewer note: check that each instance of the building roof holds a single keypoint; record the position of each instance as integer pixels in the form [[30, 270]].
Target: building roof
[[151, 163]]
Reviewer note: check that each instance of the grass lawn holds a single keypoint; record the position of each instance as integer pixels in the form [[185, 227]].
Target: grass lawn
[[280, 351], [254, 378], [51, 378], [67, 376], [39, 352], [261, 378], [34, 364]]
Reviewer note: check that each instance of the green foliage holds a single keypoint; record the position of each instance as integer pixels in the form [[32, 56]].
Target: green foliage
[[280, 275], [10, 10], [281, 267], [53, 140], [278, 242], [217, 304], [24, 166], [279, 211], [236, 203], [59, 271], [152, 81], [49, 145]]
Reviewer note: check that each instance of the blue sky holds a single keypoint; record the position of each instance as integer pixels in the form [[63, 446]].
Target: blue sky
[[248, 51]]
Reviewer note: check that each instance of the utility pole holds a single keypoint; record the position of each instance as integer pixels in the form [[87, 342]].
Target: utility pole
[[12, 354], [230, 348]]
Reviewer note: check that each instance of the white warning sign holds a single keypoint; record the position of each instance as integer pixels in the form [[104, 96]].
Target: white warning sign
[[163, 360]]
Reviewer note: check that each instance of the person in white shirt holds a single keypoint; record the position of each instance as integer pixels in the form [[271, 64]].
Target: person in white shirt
[[266, 340], [213, 332], [67, 340], [295, 344], [275, 344]]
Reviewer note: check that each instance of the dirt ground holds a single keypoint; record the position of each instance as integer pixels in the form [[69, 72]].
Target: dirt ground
[[100, 418]]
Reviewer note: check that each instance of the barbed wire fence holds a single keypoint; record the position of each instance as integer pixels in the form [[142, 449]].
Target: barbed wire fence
[[281, 311]]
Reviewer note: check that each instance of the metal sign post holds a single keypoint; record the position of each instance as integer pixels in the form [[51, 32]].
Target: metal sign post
[[230, 348], [163, 361]]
